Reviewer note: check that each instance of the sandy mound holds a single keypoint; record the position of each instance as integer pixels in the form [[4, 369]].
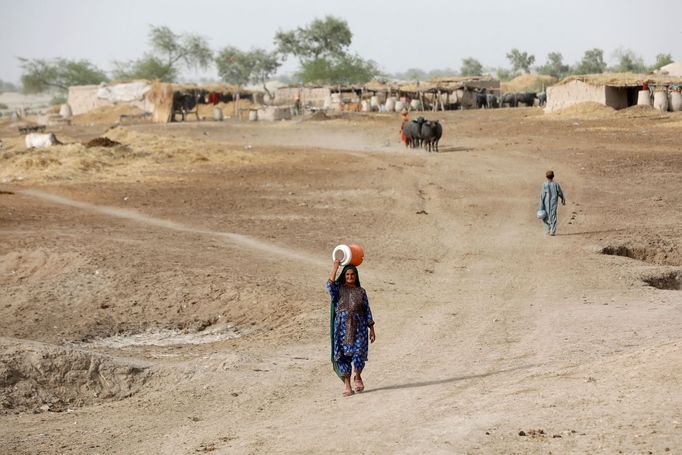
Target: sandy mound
[[528, 83], [588, 110], [106, 114], [640, 111], [36, 376]]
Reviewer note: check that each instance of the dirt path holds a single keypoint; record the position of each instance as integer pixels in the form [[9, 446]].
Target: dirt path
[[485, 327]]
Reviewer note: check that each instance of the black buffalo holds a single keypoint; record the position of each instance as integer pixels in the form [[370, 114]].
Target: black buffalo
[[186, 103], [412, 131], [431, 132], [542, 98], [527, 98], [508, 98], [482, 100]]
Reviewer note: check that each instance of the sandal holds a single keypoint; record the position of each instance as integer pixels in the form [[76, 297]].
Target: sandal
[[347, 393], [359, 386]]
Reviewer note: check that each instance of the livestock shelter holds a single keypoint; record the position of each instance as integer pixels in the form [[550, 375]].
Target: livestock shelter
[[617, 90], [440, 93], [162, 94], [448, 93], [152, 97]]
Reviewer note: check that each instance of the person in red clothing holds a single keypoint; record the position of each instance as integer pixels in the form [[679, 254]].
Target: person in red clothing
[[406, 118]]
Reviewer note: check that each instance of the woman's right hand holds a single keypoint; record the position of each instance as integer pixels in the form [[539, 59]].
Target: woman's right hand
[[335, 267]]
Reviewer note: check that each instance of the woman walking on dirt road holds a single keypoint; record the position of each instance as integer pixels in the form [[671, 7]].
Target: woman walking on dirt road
[[351, 317], [549, 198]]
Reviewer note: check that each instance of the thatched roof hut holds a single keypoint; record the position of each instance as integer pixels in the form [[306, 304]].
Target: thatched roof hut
[[617, 90]]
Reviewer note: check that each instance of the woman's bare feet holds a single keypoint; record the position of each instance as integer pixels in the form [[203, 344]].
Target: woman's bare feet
[[348, 390], [359, 385]]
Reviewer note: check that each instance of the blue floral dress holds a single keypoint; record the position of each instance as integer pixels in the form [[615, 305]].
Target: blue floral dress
[[352, 317]]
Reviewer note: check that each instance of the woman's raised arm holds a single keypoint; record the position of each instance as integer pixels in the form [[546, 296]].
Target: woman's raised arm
[[335, 268]]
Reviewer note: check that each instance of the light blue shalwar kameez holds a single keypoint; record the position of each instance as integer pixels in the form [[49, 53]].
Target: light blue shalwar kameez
[[549, 199]]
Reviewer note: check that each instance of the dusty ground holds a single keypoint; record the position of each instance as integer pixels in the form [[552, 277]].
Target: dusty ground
[[166, 295]]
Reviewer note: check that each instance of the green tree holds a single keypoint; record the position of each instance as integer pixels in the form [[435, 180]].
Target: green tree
[[413, 74], [441, 72], [266, 64], [471, 67], [322, 50], [41, 75], [346, 69], [504, 74], [328, 37], [662, 60], [555, 66], [592, 62], [148, 67], [520, 60], [628, 62], [239, 67], [170, 53], [235, 66]]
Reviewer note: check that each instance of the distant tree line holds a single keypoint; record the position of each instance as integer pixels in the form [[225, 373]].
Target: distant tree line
[[322, 50], [521, 62]]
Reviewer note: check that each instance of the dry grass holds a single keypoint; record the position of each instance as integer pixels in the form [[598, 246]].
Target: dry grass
[[528, 83], [140, 155], [106, 114]]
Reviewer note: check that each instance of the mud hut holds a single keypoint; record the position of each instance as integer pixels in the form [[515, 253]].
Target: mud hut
[[84, 98], [618, 90]]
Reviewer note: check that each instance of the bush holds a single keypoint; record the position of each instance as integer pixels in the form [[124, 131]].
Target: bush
[[58, 99]]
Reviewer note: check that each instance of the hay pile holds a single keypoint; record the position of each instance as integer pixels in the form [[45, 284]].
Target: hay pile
[[639, 111], [528, 83], [138, 157], [596, 111], [106, 114], [589, 110]]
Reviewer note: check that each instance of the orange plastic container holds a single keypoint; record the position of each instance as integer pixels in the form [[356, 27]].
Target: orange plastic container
[[357, 254], [349, 254]]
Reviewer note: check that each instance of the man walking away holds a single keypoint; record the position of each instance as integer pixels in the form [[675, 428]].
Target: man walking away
[[549, 197]]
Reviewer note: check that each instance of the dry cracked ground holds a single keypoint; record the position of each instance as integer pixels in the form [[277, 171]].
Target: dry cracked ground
[[163, 292]]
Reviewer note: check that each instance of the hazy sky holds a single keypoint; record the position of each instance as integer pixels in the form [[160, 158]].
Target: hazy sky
[[396, 34]]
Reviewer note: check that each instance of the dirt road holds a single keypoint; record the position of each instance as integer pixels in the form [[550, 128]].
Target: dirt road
[[167, 295]]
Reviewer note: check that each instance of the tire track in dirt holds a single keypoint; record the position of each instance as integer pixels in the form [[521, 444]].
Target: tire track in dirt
[[239, 239]]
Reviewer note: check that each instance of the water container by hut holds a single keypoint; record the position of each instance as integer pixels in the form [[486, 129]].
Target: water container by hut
[[65, 111], [217, 114], [661, 100], [253, 115], [644, 98], [676, 101], [416, 105], [390, 104]]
